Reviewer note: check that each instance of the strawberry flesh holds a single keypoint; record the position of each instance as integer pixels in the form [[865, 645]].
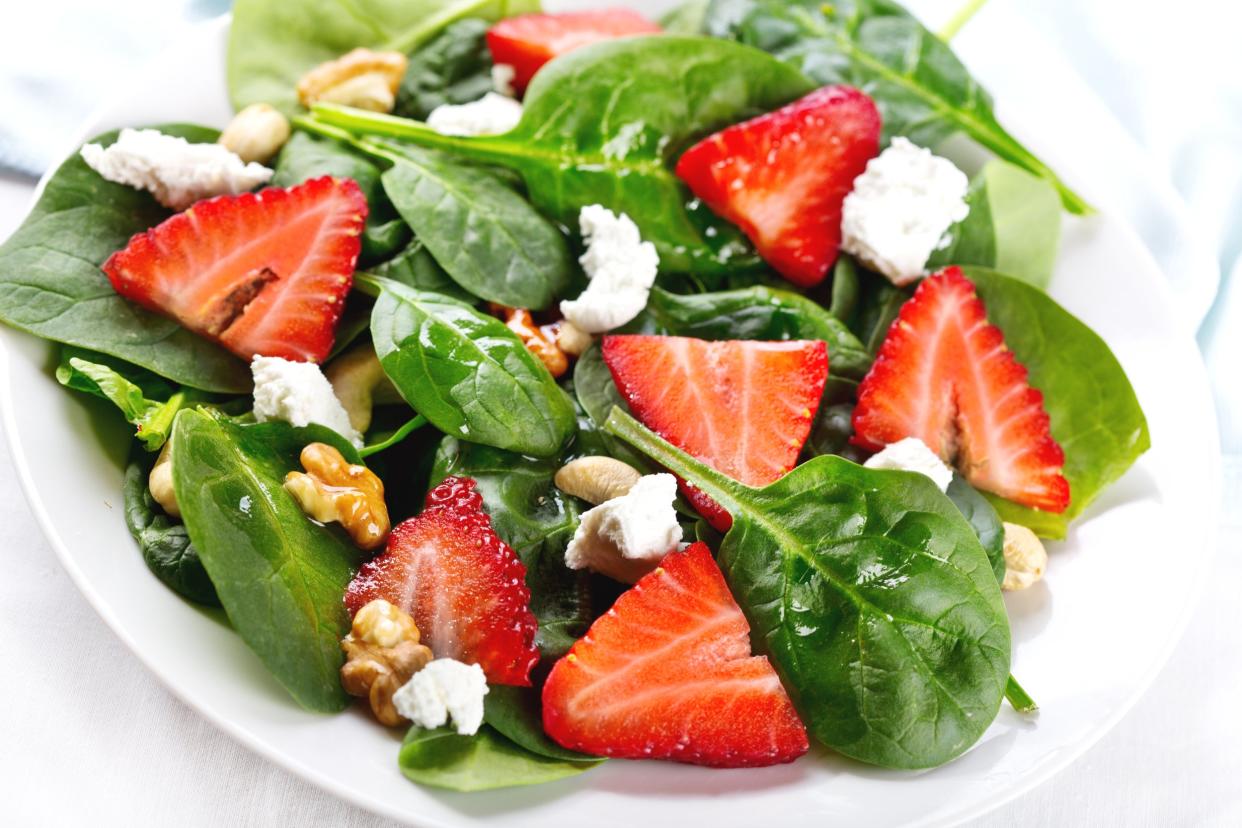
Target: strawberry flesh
[[529, 41], [667, 673], [261, 273], [744, 408], [782, 177], [944, 375], [464, 587]]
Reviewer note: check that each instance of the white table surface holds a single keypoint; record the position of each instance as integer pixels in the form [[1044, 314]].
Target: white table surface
[[89, 737]]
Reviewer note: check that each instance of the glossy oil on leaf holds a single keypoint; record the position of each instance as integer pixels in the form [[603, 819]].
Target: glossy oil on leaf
[[872, 597], [442, 758]]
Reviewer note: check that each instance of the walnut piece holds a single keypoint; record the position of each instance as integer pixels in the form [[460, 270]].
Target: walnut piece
[[596, 479], [539, 341], [333, 489], [160, 481], [362, 78], [256, 133], [382, 652], [1025, 558]]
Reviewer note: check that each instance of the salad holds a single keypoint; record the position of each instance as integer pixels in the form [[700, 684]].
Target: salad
[[561, 388]]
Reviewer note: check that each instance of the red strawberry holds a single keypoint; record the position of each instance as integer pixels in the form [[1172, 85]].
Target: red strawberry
[[464, 587], [744, 408], [667, 674], [782, 177], [529, 41], [944, 375], [261, 273]]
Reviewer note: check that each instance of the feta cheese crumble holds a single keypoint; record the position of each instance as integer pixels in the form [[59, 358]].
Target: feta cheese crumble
[[626, 537], [912, 454], [299, 394], [621, 266], [502, 80], [444, 688], [175, 171], [900, 209], [491, 114]]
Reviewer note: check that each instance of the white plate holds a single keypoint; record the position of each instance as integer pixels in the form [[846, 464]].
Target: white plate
[[1088, 640]]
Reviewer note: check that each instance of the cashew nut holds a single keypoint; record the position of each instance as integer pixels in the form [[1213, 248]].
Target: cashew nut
[[360, 383], [596, 479], [571, 339], [160, 481], [335, 490], [362, 78], [1025, 558], [382, 652], [256, 133]]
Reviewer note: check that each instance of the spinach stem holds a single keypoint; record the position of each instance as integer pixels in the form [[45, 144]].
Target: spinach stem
[[960, 19], [1018, 698], [347, 120], [418, 421]]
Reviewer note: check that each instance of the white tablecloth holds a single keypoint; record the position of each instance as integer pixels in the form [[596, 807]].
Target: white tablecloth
[[89, 737]]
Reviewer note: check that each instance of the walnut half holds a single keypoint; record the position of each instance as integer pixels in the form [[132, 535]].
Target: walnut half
[[333, 489], [362, 78], [382, 652]]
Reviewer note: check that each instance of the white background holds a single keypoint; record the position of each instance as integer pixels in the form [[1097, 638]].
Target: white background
[[89, 737]]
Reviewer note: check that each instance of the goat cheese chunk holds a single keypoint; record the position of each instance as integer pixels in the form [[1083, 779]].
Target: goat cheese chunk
[[172, 169], [912, 454], [503, 75], [627, 537], [491, 114], [621, 266], [444, 688], [299, 394], [901, 208]]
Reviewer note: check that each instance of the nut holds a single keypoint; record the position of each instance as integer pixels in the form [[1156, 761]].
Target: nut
[[381, 654], [256, 133], [335, 490], [361, 78], [359, 382], [537, 340], [160, 481], [1025, 558], [596, 479], [571, 339]]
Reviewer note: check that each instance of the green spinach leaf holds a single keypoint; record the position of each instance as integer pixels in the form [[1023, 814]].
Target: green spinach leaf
[[467, 373], [272, 45], [164, 543], [414, 267], [517, 714], [442, 758], [453, 68], [279, 575], [1014, 225], [604, 125], [983, 519], [687, 18], [873, 597], [51, 284], [152, 417], [834, 422]]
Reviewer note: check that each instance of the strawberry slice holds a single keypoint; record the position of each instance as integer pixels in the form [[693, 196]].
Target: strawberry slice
[[529, 41], [667, 673], [944, 375], [744, 408], [782, 177], [263, 274], [465, 588]]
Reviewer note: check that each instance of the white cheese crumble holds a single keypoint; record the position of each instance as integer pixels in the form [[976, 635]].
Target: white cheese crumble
[[626, 537], [444, 688], [175, 171], [912, 454], [491, 114], [900, 209], [299, 394], [502, 80], [621, 266]]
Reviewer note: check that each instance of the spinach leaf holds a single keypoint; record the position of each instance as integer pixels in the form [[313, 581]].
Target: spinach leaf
[[104, 379], [604, 125], [1014, 225], [753, 313], [877, 305], [489, 239], [687, 18], [597, 394], [873, 597], [845, 287], [164, 543], [834, 422], [534, 517], [414, 267], [922, 89], [279, 575], [983, 519], [467, 373], [51, 284], [442, 758], [517, 714], [272, 45], [453, 68], [1095, 414]]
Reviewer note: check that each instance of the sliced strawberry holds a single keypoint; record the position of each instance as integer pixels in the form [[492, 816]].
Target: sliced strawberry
[[464, 587], [744, 408], [667, 673], [261, 273], [944, 375], [782, 177], [529, 41]]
